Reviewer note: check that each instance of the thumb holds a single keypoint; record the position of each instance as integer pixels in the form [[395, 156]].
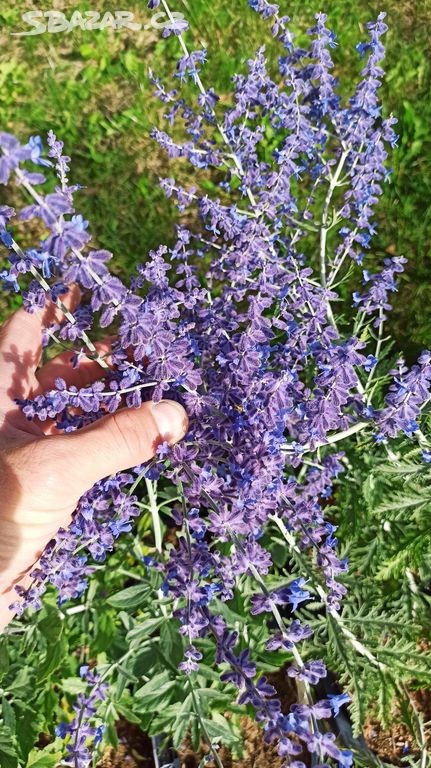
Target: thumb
[[121, 440]]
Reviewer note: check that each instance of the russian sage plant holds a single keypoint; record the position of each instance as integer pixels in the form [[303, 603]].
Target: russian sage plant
[[265, 319]]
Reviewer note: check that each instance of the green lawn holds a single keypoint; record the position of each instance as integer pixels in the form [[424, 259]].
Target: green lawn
[[91, 87]]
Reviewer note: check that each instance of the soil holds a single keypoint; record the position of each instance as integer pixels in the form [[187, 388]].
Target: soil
[[257, 754], [134, 751], [391, 745]]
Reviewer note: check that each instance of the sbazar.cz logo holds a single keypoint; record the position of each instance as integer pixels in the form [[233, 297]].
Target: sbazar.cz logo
[[57, 21]]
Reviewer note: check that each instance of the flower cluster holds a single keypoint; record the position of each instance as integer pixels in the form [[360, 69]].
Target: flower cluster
[[235, 320], [80, 732]]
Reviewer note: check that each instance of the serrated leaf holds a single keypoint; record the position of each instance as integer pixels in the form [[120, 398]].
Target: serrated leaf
[[403, 501]]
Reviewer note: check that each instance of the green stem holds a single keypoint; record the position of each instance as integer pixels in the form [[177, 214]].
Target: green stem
[[154, 509], [217, 760], [324, 229], [361, 425], [46, 287]]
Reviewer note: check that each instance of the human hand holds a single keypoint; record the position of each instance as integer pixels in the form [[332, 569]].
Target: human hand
[[43, 472]]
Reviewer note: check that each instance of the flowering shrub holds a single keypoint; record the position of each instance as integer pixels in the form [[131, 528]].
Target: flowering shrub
[[265, 319]]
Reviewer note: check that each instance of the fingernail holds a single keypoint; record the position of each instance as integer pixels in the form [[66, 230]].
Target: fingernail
[[171, 419]]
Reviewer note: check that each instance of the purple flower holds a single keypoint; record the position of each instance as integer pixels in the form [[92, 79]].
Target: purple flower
[[312, 672], [6, 214], [175, 27], [79, 731], [12, 154], [337, 701], [293, 595], [370, 363], [192, 656], [234, 319], [35, 148]]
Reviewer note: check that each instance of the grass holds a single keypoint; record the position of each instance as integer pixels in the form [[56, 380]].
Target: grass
[[92, 88]]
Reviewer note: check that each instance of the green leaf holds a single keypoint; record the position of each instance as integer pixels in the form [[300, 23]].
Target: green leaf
[[144, 661], [127, 713], [145, 628], [22, 681], [123, 677], [38, 759], [4, 658], [182, 720], [171, 642], [54, 656], [105, 631], [278, 553], [129, 598], [87, 51], [127, 674], [227, 610], [51, 625], [213, 695], [220, 730], [207, 673], [8, 713], [29, 724], [159, 689], [8, 754], [73, 685], [403, 501]]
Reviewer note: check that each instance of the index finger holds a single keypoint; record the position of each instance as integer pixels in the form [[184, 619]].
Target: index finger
[[21, 347]]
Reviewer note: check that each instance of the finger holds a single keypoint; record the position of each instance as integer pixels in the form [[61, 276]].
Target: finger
[[60, 367], [21, 346], [119, 441]]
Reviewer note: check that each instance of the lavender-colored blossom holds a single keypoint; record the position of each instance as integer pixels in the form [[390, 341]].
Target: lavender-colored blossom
[[311, 671], [6, 213], [80, 733], [12, 155], [293, 595], [235, 321]]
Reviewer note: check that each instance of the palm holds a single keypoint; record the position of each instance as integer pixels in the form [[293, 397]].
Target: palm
[[43, 472]]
